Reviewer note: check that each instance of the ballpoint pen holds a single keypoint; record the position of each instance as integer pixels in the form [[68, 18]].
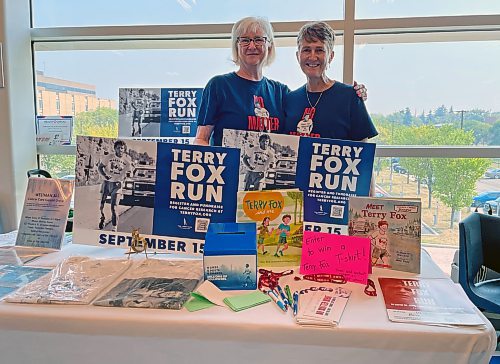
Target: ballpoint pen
[[295, 303], [288, 294], [283, 296], [275, 298]]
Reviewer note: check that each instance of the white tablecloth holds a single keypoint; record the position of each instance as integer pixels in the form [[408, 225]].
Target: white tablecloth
[[264, 334]]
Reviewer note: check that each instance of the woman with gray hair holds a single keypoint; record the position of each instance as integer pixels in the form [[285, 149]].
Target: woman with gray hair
[[324, 107], [245, 99]]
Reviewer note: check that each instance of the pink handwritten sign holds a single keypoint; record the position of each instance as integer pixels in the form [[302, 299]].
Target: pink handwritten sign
[[336, 254]]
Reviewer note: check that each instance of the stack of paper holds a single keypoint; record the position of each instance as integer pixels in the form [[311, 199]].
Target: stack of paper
[[208, 295], [322, 308], [242, 302]]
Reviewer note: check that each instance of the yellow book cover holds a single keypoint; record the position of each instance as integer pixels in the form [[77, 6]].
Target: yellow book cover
[[279, 217]]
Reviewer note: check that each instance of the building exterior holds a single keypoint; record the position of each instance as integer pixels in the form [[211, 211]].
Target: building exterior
[[55, 96]]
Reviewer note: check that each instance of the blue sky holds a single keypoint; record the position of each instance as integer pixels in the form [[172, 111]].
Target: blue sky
[[420, 76]]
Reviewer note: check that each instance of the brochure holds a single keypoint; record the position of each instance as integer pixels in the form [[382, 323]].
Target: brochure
[[45, 212], [322, 308], [427, 301]]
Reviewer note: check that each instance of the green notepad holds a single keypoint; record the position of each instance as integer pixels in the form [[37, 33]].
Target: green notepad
[[197, 303], [242, 302]]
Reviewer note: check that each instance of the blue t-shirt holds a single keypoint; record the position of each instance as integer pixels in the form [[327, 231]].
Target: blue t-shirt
[[232, 102], [339, 114]]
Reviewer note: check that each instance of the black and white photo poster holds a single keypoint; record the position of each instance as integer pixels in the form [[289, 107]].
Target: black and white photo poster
[[159, 114]]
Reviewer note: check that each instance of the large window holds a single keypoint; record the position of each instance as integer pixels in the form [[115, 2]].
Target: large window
[[63, 13], [404, 8], [429, 68], [433, 84]]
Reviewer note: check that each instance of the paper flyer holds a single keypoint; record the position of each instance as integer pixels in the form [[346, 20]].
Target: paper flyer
[[54, 130], [45, 211]]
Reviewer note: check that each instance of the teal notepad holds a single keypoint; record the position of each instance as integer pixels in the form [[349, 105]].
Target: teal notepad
[[242, 302]]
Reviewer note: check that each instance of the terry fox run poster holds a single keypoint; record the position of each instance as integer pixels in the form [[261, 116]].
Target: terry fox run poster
[[159, 114], [170, 192], [327, 171]]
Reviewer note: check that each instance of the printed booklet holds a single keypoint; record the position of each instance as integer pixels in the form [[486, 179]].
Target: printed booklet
[[330, 172], [427, 301], [322, 308], [45, 212], [279, 218], [393, 227], [170, 192], [159, 114]]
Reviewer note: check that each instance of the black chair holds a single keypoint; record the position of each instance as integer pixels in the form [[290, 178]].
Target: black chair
[[479, 262], [38, 173]]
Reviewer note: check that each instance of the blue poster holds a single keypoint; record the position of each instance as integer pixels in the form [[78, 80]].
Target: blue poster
[[333, 170], [179, 110], [159, 114], [195, 185]]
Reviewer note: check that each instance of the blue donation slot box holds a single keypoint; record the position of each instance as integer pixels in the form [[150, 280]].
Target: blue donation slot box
[[230, 255]]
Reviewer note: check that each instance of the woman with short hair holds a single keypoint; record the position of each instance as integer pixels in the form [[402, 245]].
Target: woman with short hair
[[324, 107]]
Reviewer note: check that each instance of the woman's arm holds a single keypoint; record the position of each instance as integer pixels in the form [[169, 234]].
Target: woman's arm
[[203, 134]]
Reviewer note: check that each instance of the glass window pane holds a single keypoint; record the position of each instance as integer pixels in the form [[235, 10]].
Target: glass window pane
[[86, 80], [63, 13], [369, 9], [436, 84], [447, 188], [58, 165]]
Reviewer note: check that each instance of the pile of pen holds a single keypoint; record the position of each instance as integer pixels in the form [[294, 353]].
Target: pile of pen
[[284, 298]]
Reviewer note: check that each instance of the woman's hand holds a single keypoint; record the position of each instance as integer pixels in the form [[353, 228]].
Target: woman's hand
[[361, 91]]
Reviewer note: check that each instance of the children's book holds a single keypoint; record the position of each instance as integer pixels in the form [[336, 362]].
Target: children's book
[[394, 228], [427, 301], [279, 218], [327, 171]]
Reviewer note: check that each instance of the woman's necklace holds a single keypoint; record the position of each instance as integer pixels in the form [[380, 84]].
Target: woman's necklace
[[317, 101]]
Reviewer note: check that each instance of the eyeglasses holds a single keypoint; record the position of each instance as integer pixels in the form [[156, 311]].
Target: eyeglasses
[[258, 41]]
